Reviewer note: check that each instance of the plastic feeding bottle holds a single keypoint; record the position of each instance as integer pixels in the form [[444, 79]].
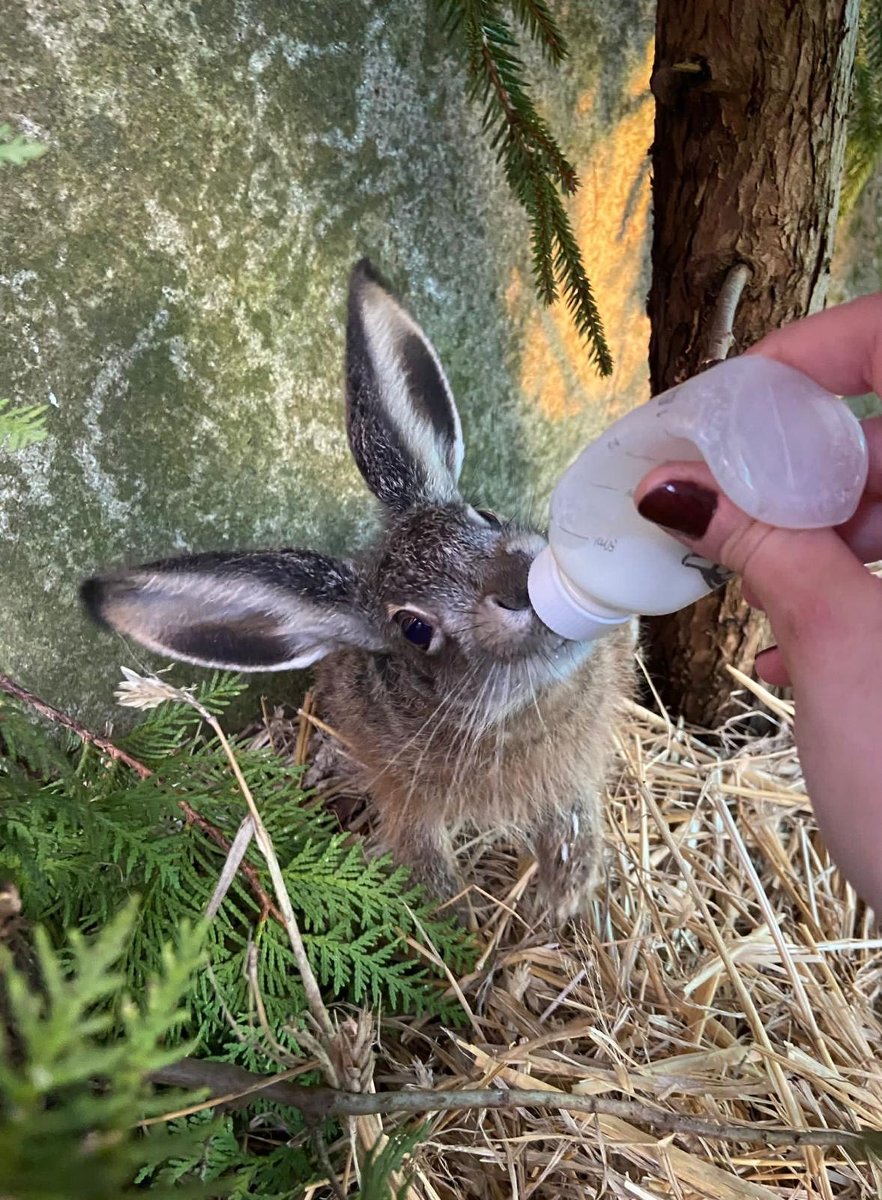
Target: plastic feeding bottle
[[783, 449]]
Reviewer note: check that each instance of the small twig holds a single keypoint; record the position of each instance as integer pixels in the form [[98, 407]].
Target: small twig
[[191, 815], [719, 335], [318, 723], [321, 1153], [59, 718], [228, 1083]]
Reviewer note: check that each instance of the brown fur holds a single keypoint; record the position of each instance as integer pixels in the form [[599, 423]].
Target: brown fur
[[460, 706], [539, 774]]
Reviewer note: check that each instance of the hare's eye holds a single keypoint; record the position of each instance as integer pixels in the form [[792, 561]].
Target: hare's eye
[[415, 629], [490, 517]]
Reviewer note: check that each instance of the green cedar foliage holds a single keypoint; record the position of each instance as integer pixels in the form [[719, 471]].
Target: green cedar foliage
[[21, 427], [70, 1096], [81, 833], [537, 170], [379, 1166]]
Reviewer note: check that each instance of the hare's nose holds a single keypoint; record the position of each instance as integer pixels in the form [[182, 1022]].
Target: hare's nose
[[506, 583], [515, 600]]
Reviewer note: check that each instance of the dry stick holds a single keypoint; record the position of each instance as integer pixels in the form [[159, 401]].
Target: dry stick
[[321, 1153], [719, 335], [230, 1084], [191, 815], [59, 718]]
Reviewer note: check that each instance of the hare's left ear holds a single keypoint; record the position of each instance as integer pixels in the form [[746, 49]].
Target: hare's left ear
[[404, 429], [261, 610]]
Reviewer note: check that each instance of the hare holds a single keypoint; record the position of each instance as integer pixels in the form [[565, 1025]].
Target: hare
[[459, 706]]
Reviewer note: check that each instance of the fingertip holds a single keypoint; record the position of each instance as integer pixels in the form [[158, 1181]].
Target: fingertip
[[840, 348], [681, 506]]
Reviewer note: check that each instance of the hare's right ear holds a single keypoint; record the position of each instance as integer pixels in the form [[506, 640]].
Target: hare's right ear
[[261, 611], [404, 429]]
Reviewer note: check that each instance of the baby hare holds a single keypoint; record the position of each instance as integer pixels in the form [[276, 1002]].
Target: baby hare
[[459, 706]]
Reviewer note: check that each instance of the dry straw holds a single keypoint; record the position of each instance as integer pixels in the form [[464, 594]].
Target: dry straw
[[727, 973]]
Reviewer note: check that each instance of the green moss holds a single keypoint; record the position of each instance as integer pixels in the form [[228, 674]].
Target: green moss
[[174, 279]]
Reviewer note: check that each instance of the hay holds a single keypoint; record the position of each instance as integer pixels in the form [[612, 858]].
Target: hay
[[726, 972]]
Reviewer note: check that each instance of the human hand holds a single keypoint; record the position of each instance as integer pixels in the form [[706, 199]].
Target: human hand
[[824, 607]]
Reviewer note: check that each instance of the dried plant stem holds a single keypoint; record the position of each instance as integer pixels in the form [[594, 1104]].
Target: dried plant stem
[[321, 1153], [248, 872], [229, 1084], [310, 983]]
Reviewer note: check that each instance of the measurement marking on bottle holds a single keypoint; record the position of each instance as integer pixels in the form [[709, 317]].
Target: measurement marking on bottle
[[606, 544], [641, 457]]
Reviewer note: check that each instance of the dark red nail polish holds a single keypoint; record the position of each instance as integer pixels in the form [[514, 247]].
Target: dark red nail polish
[[680, 505]]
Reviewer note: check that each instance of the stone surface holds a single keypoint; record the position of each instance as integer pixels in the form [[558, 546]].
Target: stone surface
[[174, 273]]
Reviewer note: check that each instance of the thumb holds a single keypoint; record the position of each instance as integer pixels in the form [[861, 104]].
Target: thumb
[[820, 599]]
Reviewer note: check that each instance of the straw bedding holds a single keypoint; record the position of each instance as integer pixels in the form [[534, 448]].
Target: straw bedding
[[726, 972]]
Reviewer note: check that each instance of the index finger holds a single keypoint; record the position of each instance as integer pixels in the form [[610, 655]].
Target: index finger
[[840, 348]]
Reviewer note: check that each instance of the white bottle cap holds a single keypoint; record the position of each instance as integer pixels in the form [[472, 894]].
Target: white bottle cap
[[563, 610]]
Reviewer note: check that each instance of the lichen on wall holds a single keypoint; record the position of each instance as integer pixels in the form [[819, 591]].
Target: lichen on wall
[[173, 279]]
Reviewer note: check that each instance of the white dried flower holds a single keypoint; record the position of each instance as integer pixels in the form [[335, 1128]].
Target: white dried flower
[[148, 691]]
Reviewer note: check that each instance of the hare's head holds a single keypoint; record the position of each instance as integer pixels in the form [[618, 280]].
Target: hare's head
[[441, 595]]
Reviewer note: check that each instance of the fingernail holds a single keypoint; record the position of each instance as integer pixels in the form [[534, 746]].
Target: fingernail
[[681, 506]]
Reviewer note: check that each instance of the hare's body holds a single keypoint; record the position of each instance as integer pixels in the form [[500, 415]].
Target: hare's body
[[458, 705], [433, 769]]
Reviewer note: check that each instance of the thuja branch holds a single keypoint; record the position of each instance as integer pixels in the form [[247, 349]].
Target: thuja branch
[[191, 815], [289, 921], [537, 170], [231, 1085], [145, 692]]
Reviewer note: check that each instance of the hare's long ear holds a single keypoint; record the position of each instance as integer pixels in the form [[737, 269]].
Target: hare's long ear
[[261, 611], [404, 429]]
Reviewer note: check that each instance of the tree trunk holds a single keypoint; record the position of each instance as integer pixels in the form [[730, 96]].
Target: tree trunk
[[749, 139]]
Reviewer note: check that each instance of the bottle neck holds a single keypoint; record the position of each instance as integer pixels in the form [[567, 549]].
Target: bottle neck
[[566, 610]]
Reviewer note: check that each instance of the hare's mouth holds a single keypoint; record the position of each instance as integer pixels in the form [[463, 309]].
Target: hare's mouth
[[556, 660]]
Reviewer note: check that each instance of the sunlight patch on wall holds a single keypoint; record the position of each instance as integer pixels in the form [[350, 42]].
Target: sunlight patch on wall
[[610, 214]]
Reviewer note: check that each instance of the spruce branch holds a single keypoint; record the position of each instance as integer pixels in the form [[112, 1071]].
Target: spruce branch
[[229, 1084], [536, 15], [538, 172], [864, 146]]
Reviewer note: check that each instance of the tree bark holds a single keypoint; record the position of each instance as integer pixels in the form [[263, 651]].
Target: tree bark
[[750, 123]]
